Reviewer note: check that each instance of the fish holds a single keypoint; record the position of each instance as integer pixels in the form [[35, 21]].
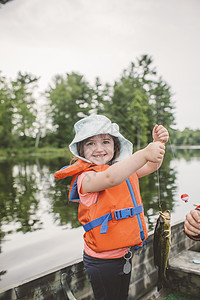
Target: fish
[[161, 247]]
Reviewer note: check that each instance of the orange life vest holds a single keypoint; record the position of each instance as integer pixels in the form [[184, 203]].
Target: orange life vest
[[116, 220]]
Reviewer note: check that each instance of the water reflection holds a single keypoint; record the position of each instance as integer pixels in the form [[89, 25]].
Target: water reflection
[[187, 154], [32, 201], [23, 182]]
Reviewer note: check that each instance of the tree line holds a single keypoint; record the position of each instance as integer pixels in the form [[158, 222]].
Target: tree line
[[138, 100]]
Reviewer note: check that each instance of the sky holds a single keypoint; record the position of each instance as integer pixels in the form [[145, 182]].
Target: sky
[[101, 38]]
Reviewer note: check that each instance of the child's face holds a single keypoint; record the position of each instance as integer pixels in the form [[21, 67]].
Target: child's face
[[99, 149]]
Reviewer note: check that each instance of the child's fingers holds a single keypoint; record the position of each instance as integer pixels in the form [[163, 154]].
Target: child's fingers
[[160, 129], [162, 134], [155, 128]]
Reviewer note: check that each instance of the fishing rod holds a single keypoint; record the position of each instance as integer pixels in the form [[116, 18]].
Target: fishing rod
[[184, 196], [158, 179]]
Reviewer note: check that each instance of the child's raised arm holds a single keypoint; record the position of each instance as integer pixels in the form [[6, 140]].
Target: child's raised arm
[[120, 171]]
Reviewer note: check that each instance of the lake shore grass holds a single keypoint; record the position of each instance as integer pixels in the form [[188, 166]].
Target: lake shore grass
[[32, 151]]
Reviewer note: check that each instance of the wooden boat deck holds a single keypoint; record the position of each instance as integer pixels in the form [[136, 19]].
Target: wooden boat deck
[[184, 273], [72, 277], [187, 261]]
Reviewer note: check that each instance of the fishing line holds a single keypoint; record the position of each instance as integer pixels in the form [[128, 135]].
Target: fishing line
[[174, 157], [158, 180], [172, 149], [158, 177]]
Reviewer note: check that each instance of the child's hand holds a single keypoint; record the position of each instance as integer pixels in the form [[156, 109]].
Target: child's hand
[[160, 134], [155, 152]]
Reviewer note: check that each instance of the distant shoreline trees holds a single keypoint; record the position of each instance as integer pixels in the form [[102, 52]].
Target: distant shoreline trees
[[136, 101]]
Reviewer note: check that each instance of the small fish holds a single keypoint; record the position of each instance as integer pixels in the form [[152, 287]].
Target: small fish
[[161, 245]]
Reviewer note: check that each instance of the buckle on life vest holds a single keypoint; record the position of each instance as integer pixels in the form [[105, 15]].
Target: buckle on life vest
[[123, 213], [128, 212]]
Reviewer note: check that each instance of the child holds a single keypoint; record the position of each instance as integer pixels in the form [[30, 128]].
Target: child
[[105, 182]]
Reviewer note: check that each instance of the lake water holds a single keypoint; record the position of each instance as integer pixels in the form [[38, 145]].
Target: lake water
[[39, 230]]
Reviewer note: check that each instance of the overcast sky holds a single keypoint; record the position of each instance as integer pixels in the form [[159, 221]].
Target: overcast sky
[[101, 38]]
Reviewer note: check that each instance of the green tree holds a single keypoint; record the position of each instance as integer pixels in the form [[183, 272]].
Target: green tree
[[24, 106], [4, 1], [6, 113], [101, 97], [70, 99], [186, 137], [128, 107], [162, 103], [140, 100]]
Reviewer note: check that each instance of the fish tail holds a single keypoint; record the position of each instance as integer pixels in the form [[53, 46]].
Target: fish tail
[[163, 282]]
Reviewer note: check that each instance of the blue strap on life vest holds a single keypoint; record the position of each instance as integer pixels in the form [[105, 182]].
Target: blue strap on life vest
[[64, 167], [119, 215], [74, 195], [103, 221], [135, 204], [139, 247]]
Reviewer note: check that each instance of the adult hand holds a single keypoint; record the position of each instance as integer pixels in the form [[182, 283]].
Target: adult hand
[[192, 223]]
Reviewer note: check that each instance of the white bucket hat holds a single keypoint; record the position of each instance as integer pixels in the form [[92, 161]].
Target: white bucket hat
[[99, 124]]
